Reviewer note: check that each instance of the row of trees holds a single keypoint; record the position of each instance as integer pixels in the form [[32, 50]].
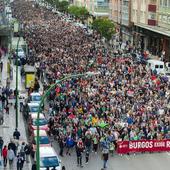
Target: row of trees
[[104, 26]]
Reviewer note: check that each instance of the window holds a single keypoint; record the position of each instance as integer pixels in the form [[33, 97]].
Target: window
[[36, 98], [33, 109], [161, 2], [156, 66], [165, 3], [49, 162], [42, 122], [161, 66], [152, 16]]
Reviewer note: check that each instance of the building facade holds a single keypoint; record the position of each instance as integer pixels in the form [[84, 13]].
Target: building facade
[[4, 28], [98, 8], [151, 30], [121, 14]]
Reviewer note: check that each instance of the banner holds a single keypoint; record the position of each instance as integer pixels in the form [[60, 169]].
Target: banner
[[124, 147]]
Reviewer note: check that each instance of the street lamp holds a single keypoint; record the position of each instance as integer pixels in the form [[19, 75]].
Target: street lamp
[[41, 103], [16, 29]]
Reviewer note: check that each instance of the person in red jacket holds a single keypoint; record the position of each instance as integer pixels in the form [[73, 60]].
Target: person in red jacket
[[4, 155]]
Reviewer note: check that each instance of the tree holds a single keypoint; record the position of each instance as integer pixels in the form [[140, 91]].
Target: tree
[[79, 12], [105, 27], [63, 6]]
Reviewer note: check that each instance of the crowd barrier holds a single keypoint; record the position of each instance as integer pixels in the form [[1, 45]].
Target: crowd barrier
[[135, 146]]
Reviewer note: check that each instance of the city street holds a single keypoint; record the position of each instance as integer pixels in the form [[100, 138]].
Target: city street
[[155, 161], [87, 81]]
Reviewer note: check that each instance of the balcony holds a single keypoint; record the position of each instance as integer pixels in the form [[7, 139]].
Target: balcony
[[101, 9], [151, 8], [164, 10]]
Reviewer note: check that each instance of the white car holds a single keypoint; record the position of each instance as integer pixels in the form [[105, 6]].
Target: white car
[[21, 53], [49, 158], [33, 107], [34, 98]]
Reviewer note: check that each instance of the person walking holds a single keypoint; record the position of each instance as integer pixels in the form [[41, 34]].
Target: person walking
[[16, 134], [7, 109], [27, 151], [63, 168], [10, 156], [79, 150], [20, 162], [12, 146], [34, 166], [69, 144], [3, 99], [61, 145], [4, 155], [87, 156], [1, 118], [1, 144], [105, 155]]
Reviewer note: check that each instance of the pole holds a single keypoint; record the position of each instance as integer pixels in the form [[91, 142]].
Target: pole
[[17, 93], [39, 110]]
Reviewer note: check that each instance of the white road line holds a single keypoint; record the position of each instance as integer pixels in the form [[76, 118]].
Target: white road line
[[168, 153], [127, 157]]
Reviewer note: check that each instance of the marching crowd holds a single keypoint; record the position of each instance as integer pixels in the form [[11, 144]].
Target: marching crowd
[[125, 101]]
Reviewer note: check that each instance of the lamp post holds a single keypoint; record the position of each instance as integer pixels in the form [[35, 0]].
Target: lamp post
[[16, 29], [17, 93], [40, 106]]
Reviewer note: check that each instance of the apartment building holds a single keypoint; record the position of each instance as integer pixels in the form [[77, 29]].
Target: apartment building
[[4, 29], [151, 30], [98, 8], [121, 14]]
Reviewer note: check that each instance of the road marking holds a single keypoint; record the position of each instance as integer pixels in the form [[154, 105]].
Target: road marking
[[127, 157], [168, 153]]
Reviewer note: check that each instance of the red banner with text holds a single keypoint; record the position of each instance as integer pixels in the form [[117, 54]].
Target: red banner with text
[[124, 147]]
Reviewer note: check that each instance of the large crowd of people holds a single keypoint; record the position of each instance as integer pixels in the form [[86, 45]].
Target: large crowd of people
[[126, 101]]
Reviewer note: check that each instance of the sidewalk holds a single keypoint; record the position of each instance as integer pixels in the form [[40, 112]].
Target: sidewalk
[[7, 129]]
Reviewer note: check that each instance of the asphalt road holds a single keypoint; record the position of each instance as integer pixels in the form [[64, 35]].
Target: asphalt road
[[146, 161]]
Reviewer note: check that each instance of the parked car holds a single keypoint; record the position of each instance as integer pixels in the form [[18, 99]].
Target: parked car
[[21, 56], [30, 108], [156, 65], [44, 140], [34, 98], [49, 158], [33, 122]]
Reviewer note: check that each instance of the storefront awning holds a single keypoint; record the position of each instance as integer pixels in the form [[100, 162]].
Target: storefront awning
[[156, 29]]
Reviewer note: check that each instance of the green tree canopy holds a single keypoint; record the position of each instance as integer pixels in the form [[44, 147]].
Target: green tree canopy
[[79, 12], [60, 5], [63, 6], [105, 27]]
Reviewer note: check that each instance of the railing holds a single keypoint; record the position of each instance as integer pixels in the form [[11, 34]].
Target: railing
[[164, 10], [102, 7]]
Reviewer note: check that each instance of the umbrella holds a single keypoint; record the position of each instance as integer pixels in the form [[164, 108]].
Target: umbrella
[[102, 125]]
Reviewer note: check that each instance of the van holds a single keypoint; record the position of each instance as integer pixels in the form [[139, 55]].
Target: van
[[49, 158], [167, 66], [156, 65]]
